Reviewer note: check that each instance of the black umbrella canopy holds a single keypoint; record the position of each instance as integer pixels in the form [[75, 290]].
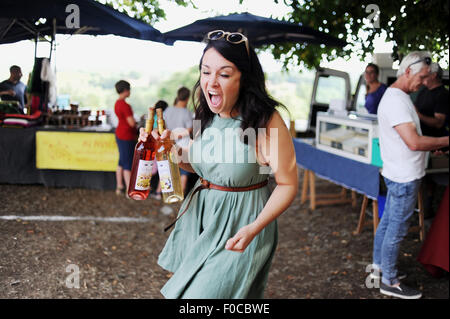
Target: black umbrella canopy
[[20, 20], [259, 30]]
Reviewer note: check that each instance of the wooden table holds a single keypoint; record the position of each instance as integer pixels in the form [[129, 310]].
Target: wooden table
[[309, 183]]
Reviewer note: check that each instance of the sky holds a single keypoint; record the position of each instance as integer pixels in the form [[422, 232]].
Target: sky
[[100, 53]]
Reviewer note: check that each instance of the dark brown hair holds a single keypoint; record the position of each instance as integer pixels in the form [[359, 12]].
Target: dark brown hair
[[254, 104], [183, 94], [161, 104], [375, 67], [122, 86]]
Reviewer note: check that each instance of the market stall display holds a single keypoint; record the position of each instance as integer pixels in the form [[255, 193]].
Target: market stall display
[[73, 119], [23, 136], [21, 120], [352, 136], [19, 162], [9, 107]]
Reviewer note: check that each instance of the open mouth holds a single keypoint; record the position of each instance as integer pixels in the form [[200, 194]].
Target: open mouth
[[215, 98]]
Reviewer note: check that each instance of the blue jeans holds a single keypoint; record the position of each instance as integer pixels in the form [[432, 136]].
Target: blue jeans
[[400, 203], [126, 153]]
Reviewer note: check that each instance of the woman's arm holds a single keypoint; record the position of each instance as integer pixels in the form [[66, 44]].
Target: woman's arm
[[278, 151], [183, 164], [181, 132]]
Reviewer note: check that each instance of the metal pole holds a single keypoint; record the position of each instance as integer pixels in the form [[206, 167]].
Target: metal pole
[[53, 39], [35, 45]]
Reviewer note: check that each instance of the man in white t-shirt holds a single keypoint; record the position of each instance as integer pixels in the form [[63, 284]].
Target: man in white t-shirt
[[403, 151]]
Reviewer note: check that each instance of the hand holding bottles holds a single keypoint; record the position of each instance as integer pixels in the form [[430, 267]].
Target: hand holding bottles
[[151, 145], [143, 135]]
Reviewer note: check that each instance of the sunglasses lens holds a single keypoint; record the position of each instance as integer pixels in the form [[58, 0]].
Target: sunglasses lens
[[235, 37], [215, 35]]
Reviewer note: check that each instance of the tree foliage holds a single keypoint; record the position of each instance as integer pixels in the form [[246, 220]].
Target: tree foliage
[[146, 10], [410, 24]]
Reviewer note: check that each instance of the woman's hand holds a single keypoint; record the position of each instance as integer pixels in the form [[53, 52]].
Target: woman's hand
[[143, 135], [242, 239]]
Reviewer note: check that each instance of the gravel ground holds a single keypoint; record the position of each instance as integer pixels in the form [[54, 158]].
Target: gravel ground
[[317, 255]]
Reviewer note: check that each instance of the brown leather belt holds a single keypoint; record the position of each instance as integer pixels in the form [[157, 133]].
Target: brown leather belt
[[204, 184]]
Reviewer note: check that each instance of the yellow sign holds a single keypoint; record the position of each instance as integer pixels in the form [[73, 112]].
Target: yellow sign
[[85, 151]]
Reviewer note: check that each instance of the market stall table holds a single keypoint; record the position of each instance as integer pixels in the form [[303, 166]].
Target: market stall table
[[350, 174], [18, 161]]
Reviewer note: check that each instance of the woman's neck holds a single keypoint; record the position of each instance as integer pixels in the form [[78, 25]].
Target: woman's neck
[[234, 113]]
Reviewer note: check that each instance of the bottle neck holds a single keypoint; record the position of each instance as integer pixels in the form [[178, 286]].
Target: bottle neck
[[160, 126], [148, 126], [150, 120]]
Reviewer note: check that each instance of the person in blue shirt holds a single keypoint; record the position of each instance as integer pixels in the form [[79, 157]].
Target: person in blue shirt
[[375, 89], [13, 89]]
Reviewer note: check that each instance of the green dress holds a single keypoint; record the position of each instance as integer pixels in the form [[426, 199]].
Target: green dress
[[195, 250]]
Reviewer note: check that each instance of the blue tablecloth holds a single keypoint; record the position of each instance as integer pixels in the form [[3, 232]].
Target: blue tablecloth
[[360, 177]]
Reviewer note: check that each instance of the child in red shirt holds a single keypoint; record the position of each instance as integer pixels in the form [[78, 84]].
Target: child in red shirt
[[126, 136]]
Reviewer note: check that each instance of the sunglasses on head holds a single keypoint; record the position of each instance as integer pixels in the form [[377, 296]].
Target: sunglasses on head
[[232, 37], [426, 60]]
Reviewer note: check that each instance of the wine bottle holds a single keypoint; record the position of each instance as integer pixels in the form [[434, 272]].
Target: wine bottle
[[168, 170], [143, 160]]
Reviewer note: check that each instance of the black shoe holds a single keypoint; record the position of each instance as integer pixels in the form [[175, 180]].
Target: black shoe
[[400, 291]]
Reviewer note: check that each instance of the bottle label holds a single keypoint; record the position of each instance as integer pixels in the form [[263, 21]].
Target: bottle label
[[143, 176], [165, 177]]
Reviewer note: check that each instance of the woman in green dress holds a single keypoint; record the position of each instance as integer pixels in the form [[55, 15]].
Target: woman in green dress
[[224, 243]]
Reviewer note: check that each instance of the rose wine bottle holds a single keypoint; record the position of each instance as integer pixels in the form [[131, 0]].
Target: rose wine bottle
[[168, 170], [144, 156]]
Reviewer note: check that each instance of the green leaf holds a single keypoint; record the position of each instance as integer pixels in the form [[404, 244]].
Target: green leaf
[[408, 23]]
